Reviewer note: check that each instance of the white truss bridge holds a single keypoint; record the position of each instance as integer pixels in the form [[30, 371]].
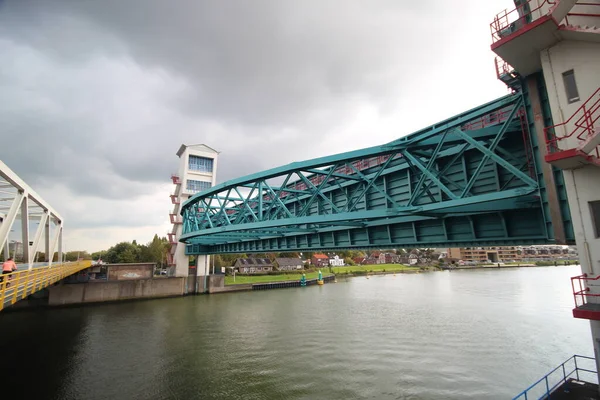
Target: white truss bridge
[[26, 220]]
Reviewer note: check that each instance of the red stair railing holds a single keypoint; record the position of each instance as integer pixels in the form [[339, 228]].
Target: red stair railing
[[585, 118], [582, 14]]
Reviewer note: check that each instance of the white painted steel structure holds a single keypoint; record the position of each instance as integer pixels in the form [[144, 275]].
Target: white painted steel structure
[[20, 208]]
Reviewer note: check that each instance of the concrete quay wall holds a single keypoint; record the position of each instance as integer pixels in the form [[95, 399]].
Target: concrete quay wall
[[97, 292]]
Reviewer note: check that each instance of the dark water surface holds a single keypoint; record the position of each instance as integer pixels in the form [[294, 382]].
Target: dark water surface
[[444, 335]]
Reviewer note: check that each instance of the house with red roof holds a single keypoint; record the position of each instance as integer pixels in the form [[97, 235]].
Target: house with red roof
[[319, 260]]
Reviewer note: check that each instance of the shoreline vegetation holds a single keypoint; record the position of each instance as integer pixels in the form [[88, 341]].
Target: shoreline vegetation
[[377, 269]]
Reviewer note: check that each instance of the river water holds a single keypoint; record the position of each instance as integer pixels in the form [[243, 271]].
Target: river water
[[483, 334]]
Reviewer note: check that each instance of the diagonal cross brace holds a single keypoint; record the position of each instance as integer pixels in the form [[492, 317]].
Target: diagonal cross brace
[[318, 189], [491, 148], [428, 167], [278, 201], [371, 183], [512, 169], [429, 174]]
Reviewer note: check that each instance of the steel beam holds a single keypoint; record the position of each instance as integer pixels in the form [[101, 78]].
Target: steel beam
[[358, 198]]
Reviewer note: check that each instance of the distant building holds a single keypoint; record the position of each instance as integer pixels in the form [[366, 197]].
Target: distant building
[[359, 260], [391, 258], [114, 272], [336, 261], [289, 264], [512, 253], [320, 260], [377, 257], [253, 265]]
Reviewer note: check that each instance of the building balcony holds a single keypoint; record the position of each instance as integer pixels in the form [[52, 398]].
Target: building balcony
[[172, 238], [175, 178], [175, 219], [520, 34], [174, 199], [575, 142], [587, 301]]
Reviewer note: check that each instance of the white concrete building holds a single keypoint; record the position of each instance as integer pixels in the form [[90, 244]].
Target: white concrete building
[[197, 172], [336, 261], [561, 39]]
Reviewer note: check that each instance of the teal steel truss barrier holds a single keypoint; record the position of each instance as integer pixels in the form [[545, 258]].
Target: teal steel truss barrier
[[465, 181]]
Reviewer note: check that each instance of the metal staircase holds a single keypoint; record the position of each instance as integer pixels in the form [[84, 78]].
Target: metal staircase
[[175, 220]]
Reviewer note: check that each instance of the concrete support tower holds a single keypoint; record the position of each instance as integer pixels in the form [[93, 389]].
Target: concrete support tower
[[197, 172], [552, 49]]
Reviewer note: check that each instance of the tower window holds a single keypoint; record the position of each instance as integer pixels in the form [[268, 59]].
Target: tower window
[[200, 164], [595, 211], [197, 186], [570, 86]]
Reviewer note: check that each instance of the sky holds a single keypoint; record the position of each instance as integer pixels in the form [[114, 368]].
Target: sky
[[96, 97]]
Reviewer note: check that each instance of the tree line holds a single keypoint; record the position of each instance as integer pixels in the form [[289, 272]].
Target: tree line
[[157, 249]]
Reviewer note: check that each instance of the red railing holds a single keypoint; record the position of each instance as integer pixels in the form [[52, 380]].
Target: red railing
[[493, 118], [170, 260], [502, 68], [584, 119], [175, 220], [171, 236], [175, 179], [174, 199], [582, 14], [514, 19], [583, 291]]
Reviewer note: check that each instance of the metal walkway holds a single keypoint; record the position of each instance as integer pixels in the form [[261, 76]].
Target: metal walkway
[[20, 284], [471, 180]]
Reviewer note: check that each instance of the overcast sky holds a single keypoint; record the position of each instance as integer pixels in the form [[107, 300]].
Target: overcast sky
[[97, 96]]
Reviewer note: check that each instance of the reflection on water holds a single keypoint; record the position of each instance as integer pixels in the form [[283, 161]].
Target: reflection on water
[[452, 335]]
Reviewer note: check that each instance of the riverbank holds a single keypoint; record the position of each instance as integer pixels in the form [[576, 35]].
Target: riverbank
[[356, 270], [239, 279]]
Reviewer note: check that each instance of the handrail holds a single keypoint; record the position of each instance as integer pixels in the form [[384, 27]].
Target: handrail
[[502, 67], [583, 291], [584, 124], [502, 19], [566, 375], [581, 14], [18, 285]]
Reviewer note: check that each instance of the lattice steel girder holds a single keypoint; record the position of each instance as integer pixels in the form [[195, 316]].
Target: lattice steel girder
[[468, 164], [494, 203], [28, 207]]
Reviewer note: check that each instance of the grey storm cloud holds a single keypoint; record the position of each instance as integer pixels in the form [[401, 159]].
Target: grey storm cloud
[[104, 89]]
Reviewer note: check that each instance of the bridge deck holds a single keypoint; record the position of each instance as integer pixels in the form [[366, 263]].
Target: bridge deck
[[20, 284]]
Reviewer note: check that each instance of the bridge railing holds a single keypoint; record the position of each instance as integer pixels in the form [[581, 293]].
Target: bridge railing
[[572, 367], [20, 284], [580, 125]]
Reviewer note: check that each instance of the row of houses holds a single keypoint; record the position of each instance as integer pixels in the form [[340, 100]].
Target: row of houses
[[260, 265], [378, 257], [254, 265], [325, 260]]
